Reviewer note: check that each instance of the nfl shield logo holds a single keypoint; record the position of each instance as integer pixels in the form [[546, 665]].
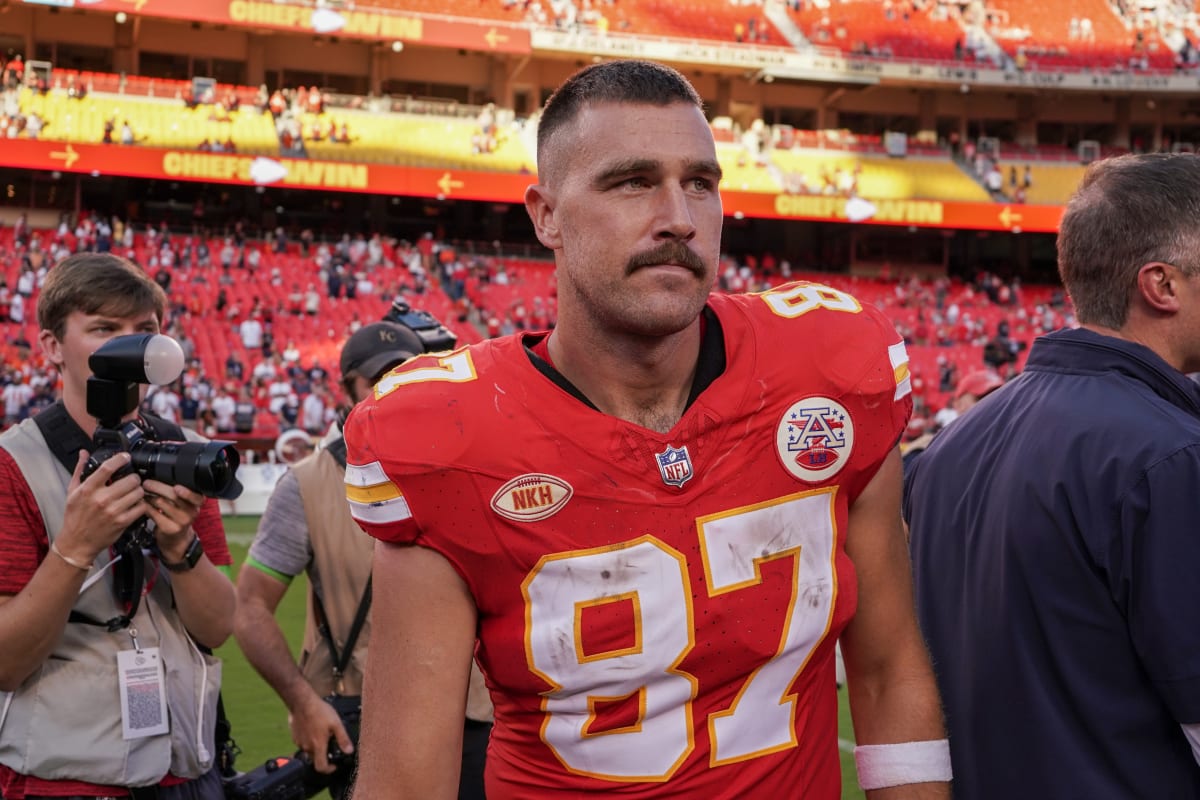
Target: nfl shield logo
[[675, 465]]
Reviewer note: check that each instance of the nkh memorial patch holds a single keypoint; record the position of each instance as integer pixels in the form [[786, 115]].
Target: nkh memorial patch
[[530, 497]]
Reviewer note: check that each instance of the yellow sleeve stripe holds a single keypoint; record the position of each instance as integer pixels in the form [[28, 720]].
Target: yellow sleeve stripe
[[898, 357], [372, 494]]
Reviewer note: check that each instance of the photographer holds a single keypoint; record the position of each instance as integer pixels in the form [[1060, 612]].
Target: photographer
[[86, 717], [307, 527]]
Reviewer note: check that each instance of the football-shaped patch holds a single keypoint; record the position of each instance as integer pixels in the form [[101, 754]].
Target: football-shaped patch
[[530, 497]]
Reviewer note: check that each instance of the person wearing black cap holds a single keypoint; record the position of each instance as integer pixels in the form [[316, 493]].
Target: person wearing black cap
[[307, 527]]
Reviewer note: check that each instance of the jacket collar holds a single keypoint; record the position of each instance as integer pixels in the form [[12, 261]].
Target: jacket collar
[[1082, 350]]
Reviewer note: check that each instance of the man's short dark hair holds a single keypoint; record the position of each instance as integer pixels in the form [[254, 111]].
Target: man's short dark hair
[[1127, 212], [643, 82], [96, 283]]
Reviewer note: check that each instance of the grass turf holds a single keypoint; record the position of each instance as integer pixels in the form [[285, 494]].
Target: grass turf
[[260, 719]]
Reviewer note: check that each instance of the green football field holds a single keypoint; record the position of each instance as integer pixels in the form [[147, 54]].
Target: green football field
[[260, 719]]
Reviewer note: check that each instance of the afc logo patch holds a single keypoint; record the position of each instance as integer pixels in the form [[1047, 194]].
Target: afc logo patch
[[675, 465], [814, 439]]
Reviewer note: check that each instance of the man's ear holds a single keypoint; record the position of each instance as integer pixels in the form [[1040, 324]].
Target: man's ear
[[51, 347], [1159, 285], [539, 203]]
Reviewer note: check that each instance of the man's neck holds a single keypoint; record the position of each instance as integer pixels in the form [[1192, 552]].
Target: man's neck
[[641, 380], [77, 410]]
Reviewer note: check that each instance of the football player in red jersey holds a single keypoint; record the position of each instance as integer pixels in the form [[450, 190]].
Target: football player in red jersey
[[651, 525]]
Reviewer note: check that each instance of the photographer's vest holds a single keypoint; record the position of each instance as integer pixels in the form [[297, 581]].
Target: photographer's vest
[[64, 721], [342, 553]]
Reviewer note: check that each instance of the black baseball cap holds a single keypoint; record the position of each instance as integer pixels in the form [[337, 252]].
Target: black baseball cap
[[375, 348]]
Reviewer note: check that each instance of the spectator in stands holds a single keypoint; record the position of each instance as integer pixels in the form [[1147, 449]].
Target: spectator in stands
[[43, 398], [16, 309], [289, 412], [314, 411], [1066, 509], [315, 101], [16, 395], [164, 402], [234, 369], [224, 406], [76, 90], [251, 331], [244, 412], [227, 254]]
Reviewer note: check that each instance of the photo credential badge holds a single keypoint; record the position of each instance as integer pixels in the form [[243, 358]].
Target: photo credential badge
[[143, 694]]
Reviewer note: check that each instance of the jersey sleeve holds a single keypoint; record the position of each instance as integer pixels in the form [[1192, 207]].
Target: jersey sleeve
[[23, 541], [1153, 576], [888, 381], [376, 501], [281, 547]]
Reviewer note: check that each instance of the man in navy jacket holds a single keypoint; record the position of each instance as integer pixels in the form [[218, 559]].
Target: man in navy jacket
[[1054, 529]]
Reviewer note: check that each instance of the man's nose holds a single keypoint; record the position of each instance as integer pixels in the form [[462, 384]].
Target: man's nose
[[674, 214]]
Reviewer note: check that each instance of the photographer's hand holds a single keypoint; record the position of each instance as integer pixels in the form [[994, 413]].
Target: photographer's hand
[[172, 508], [314, 723], [97, 512]]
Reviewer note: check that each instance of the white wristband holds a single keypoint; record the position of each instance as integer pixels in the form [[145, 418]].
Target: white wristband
[[883, 765]]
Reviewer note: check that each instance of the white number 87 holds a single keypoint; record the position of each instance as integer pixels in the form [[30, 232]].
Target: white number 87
[[653, 577]]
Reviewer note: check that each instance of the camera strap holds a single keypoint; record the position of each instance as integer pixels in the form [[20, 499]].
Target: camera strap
[[342, 660], [65, 439]]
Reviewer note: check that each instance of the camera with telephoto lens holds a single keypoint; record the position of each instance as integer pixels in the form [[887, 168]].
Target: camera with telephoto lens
[[119, 366], [436, 336]]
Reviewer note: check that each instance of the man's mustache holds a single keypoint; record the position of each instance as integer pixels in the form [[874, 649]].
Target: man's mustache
[[667, 253]]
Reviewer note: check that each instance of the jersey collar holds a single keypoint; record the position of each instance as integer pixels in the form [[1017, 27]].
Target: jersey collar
[[709, 367]]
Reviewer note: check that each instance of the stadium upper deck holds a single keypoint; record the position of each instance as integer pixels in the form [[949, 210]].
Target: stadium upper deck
[[492, 62]]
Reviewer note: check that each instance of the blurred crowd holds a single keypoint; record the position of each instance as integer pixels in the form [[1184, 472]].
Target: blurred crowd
[[278, 376]]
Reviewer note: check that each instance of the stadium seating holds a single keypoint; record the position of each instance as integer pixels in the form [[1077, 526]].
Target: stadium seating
[[882, 178], [1053, 183], [719, 20], [155, 122], [528, 286], [142, 86], [800, 161], [883, 28], [499, 10], [416, 140], [1058, 38]]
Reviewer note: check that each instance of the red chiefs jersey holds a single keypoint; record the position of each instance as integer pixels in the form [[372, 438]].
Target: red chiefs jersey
[[657, 612]]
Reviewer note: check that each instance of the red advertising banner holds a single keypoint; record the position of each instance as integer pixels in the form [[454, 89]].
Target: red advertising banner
[[247, 170], [920, 213], [380, 25]]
